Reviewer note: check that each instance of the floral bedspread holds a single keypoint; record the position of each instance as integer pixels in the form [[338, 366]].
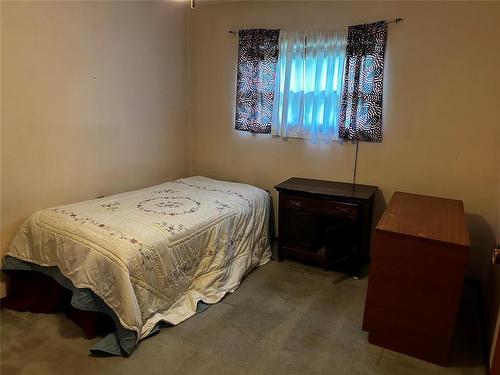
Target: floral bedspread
[[152, 254]]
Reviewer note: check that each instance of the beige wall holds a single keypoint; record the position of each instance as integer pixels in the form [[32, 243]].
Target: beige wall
[[93, 101], [441, 127]]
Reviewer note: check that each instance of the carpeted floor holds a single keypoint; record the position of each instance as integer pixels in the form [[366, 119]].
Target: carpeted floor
[[286, 318]]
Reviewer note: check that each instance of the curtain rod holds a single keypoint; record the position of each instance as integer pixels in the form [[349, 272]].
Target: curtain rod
[[395, 20]]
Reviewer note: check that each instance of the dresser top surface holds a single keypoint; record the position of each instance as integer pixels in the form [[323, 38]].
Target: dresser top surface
[[339, 189], [422, 216]]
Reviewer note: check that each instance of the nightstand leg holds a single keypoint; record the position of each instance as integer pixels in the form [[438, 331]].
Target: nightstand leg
[[355, 268], [281, 254]]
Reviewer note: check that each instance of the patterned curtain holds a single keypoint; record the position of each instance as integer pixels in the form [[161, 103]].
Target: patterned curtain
[[257, 59], [361, 105]]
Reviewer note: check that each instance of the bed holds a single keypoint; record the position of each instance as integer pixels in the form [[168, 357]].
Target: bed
[[151, 255]]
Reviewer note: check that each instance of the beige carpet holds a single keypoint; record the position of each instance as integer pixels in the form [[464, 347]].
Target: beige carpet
[[286, 318]]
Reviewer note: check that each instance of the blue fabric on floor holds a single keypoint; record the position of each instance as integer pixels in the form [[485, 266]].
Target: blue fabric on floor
[[120, 342]]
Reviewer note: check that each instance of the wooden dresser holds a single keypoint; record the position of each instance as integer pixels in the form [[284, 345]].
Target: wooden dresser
[[325, 223], [421, 251]]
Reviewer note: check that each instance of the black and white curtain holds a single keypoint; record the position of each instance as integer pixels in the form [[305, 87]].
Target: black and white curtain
[[257, 58], [361, 105]]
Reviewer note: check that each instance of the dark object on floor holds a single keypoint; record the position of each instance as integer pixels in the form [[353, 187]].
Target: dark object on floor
[[421, 250], [325, 223], [39, 293]]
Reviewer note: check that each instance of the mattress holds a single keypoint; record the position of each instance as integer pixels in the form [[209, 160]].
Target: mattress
[[152, 254]]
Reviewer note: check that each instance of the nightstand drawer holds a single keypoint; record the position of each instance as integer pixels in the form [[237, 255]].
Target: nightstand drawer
[[320, 206]]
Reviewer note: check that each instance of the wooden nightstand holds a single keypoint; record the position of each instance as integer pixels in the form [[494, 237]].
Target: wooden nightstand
[[325, 223]]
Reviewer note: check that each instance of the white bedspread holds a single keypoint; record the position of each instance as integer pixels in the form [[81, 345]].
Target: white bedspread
[[152, 254]]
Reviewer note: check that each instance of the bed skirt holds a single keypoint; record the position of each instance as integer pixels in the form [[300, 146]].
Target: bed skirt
[[40, 289]]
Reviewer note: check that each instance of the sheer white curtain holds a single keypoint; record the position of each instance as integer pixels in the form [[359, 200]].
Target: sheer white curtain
[[308, 86]]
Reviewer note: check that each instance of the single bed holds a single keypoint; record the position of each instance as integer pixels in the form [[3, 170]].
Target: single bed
[[153, 254]]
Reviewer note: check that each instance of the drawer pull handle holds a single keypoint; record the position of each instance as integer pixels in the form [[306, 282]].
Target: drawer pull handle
[[295, 203]]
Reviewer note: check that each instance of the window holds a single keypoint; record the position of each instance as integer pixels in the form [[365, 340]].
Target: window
[[308, 85], [320, 85]]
